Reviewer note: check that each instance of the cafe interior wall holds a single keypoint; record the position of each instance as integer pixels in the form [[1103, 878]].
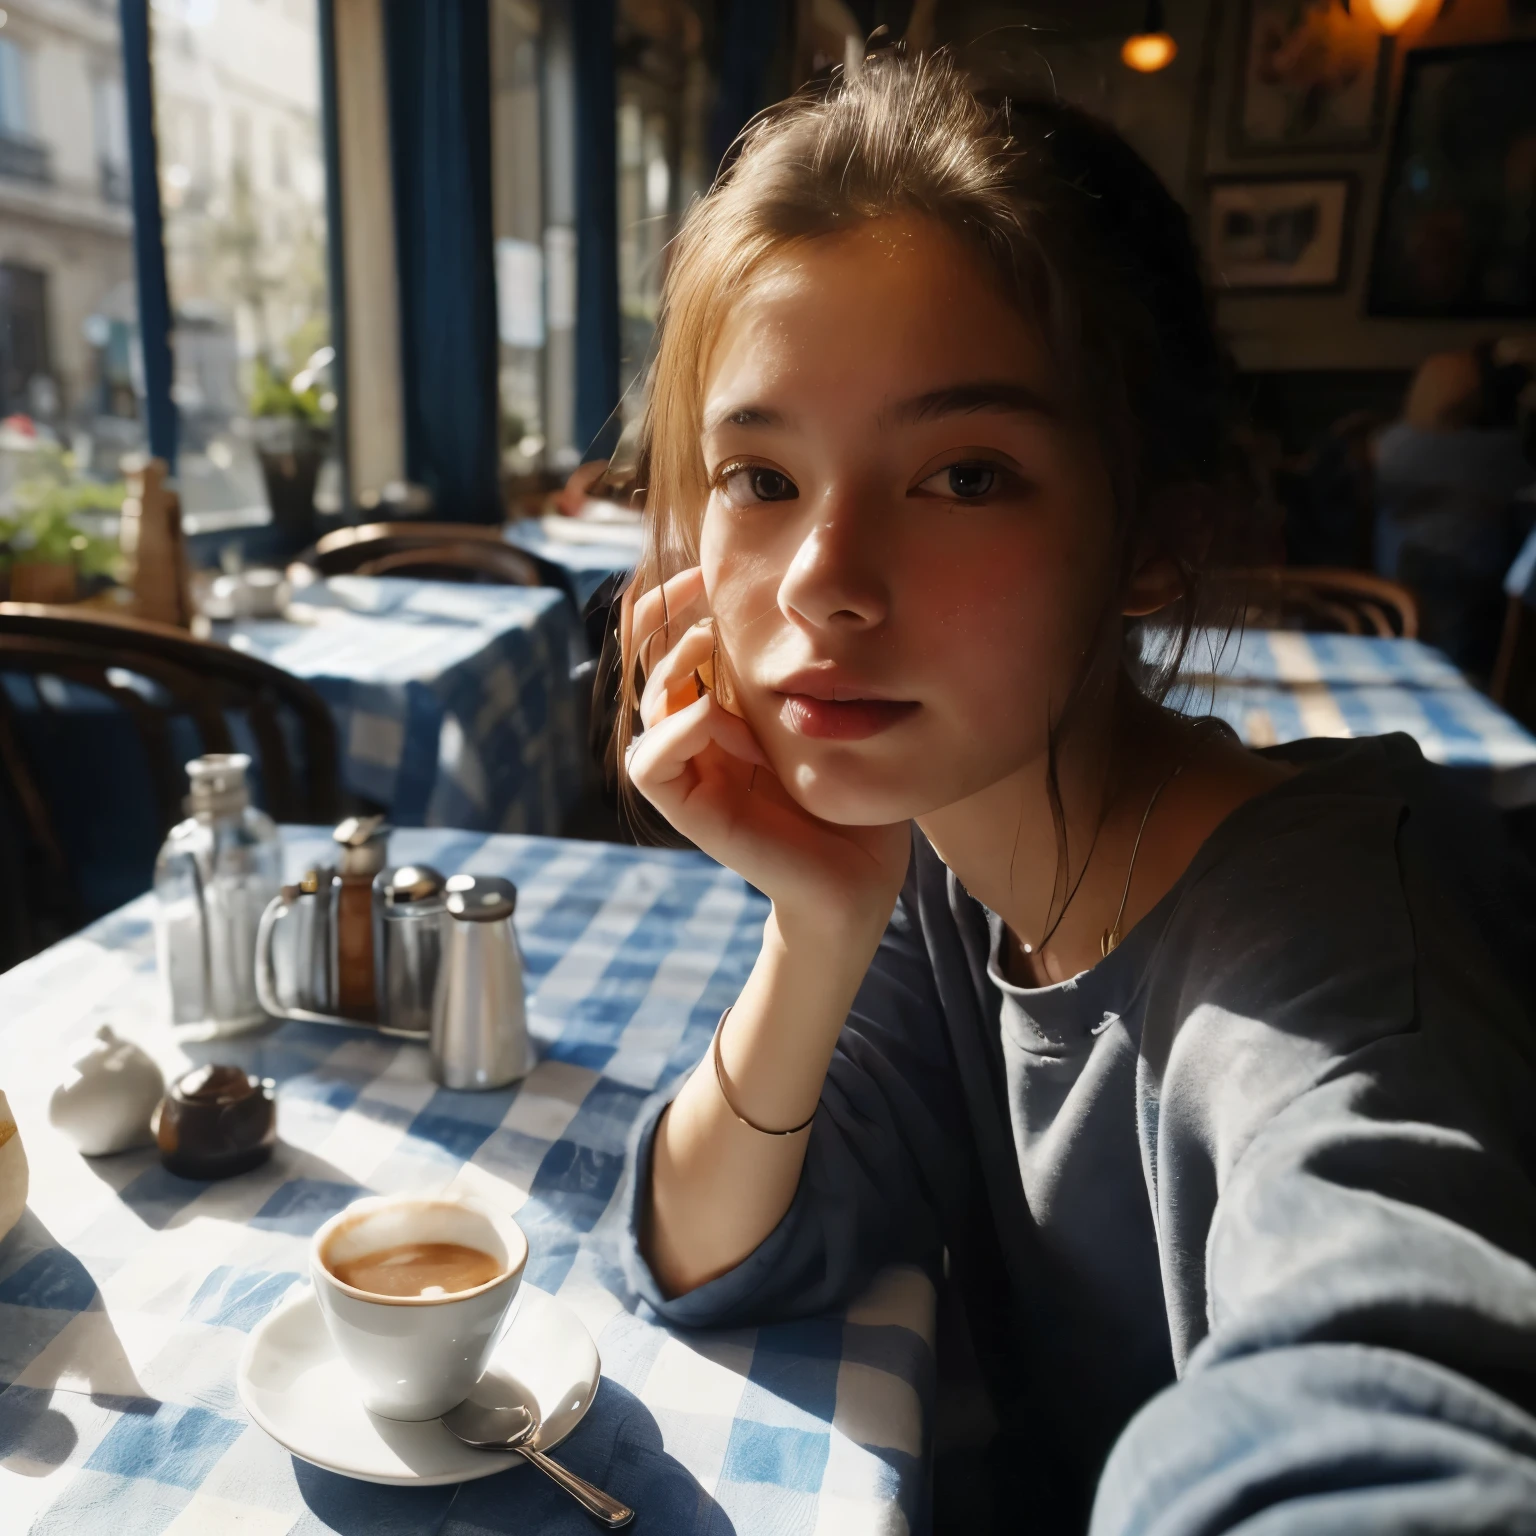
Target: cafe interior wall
[[1178, 118]]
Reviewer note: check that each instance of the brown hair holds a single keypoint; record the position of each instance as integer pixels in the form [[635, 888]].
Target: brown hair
[[1069, 220]]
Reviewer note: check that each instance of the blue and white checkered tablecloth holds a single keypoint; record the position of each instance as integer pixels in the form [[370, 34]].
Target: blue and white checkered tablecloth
[[453, 702], [585, 565], [1276, 686], [126, 1294]]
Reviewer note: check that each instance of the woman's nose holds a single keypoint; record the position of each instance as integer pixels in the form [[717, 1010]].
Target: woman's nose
[[835, 579]]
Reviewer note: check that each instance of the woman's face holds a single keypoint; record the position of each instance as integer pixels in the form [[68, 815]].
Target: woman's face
[[908, 545]]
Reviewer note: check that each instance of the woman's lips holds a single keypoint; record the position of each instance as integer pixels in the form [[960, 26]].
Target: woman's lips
[[842, 719]]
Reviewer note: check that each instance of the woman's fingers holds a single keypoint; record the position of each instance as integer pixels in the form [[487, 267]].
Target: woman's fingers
[[659, 618], [664, 755], [674, 681]]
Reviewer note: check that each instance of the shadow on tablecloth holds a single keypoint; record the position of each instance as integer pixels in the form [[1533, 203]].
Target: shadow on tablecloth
[[618, 1446]]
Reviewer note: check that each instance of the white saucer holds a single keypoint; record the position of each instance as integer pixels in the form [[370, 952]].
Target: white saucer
[[298, 1389]]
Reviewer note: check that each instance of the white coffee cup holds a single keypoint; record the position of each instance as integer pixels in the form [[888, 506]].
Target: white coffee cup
[[415, 1357]]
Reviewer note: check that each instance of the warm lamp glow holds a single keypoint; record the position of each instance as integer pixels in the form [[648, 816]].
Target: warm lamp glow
[[1394, 15], [1148, 52]]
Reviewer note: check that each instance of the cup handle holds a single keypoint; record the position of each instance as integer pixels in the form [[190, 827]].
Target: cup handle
[[266, 982]]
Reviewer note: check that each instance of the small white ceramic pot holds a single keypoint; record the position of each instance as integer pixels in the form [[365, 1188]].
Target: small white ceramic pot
[[13, 1170], [107, 1097], [416, 1357]]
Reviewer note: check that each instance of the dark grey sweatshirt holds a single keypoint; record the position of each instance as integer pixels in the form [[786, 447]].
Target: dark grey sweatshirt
[[1249, 1208]]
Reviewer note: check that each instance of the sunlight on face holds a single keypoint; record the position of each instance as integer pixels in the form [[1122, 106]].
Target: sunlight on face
[[908, 546]]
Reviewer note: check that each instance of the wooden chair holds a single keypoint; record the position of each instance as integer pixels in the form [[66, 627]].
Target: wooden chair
[[1322, 598], [1513, 686], [171, 689], [432, 551]]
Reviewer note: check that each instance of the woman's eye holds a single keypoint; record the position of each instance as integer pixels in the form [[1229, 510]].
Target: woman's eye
[[748, 483], [970, 480]]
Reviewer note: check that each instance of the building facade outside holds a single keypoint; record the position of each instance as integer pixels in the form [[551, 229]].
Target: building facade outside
[[68, 332]]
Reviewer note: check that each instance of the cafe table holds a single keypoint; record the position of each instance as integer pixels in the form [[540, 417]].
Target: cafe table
[[127, 1294], [1276, 686], [579, 553], [453, 702]]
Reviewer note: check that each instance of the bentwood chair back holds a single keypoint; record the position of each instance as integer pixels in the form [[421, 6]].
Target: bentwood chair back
[[73, 690], [432, 551], [1514, 673], [1321, 598]]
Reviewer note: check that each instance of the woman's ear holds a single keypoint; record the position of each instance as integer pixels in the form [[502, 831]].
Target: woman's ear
[[1178, 529], [1155, 583]]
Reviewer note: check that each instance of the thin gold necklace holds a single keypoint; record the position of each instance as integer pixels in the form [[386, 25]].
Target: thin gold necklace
[[1110, 938]]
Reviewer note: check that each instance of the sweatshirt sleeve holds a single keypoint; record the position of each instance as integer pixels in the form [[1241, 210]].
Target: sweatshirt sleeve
[[1368, 1359], [884, 1158]]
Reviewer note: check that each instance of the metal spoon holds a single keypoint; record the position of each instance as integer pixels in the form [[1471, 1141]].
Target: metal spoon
[[510, 1427]]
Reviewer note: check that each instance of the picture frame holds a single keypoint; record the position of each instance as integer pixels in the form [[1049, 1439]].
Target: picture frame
[[1452, 228], [1287, 234], [1311, 75]]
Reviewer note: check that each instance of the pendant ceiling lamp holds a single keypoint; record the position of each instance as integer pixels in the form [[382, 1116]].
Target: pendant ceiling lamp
[[1394, 15], [1152, 48]]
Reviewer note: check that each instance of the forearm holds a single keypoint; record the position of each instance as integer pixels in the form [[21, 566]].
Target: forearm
[[719, 1187]]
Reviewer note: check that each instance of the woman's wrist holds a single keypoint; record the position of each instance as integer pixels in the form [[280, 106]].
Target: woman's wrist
[[837, 937]]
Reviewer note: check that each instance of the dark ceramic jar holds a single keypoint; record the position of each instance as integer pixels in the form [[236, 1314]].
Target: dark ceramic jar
[[215, 1122]]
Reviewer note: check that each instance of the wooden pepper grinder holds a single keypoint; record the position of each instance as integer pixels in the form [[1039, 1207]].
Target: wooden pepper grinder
[[154, 548], [364, 845]]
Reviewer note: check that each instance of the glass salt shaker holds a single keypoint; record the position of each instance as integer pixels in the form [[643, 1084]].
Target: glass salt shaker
[[214, 876]]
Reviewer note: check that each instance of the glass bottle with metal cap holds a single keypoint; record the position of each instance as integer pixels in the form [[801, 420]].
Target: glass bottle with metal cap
[[410, 915], [363, 842], [214, 876], [479, 1017]]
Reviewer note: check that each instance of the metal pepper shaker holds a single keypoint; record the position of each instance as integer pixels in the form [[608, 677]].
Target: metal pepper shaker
[[410, 917], [479, 1015]]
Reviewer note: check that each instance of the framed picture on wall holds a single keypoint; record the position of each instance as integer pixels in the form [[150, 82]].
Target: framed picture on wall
[[1456, 235], [1311, 75], [1279, 234]]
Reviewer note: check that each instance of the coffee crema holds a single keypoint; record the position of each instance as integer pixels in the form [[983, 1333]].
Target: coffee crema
[[418, 1271]]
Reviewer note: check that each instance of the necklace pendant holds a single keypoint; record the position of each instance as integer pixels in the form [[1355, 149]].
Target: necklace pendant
[[1028, 949], [1108, 941]]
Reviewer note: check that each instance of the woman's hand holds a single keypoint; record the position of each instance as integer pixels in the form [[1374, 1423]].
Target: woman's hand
[[702, 767]]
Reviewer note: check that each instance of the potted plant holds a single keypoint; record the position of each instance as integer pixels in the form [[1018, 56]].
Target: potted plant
[[290, 424], [46, 551]]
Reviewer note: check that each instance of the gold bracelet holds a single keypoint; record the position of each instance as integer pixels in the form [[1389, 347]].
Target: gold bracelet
[[720, 1079]]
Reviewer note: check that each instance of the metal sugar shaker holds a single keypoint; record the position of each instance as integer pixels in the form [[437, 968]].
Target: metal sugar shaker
[[480, 1018], [410, 916]]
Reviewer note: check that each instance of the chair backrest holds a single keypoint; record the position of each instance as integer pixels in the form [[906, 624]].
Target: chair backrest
[[456, 561], [1514, 673], [1323, 598], [178, 696], [443, 551]]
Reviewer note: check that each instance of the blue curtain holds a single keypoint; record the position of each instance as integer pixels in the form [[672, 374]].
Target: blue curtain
[[751, 32], [148, 250], [597, 226], [440, 148]]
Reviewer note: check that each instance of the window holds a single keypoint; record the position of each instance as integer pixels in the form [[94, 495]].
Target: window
[[518, 214], [645, 217], [15, 116], [237, 98], [69, 335], [664, 92], [109, 117], [24, 359]]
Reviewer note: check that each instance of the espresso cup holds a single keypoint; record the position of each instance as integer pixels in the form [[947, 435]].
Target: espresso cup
[[415, 1357]]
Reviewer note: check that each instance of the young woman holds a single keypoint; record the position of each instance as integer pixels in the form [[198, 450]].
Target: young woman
[[1210, 1074]]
